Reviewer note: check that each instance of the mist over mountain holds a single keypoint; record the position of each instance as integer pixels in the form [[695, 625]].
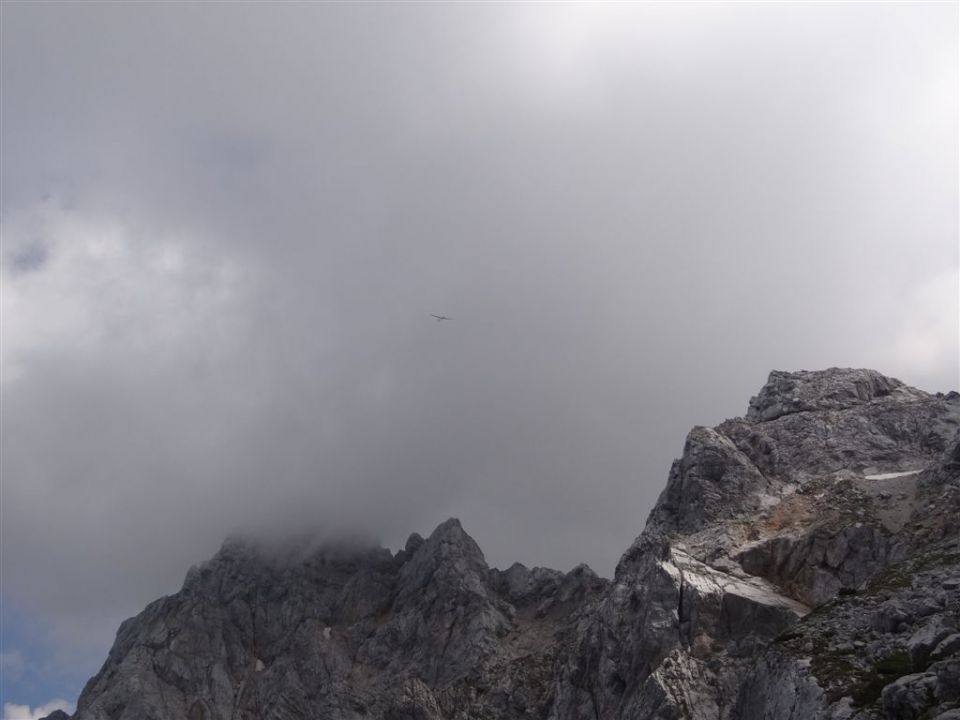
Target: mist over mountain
[[225, 229], [802, 562]]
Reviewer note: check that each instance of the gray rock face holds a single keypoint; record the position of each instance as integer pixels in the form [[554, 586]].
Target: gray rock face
[[839, 492], [833, 389], [343, 632]]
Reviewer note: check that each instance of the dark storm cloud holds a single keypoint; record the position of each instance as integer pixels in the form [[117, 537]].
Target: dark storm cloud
[[248, 213]]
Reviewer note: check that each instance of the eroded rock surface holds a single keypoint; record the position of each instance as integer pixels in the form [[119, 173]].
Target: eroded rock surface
[[802, 562]]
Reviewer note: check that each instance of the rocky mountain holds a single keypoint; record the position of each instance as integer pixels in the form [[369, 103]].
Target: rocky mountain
[[802, 562]]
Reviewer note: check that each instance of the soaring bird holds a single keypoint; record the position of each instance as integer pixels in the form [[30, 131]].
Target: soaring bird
[[441, 318]]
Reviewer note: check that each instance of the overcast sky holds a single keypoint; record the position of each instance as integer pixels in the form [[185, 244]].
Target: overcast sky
[[225, 228]]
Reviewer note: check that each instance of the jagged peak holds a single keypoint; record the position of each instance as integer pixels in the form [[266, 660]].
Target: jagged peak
[[450, 526], [787, 392], [448, 555], [450, 539], [583, 570], [755, 513], [413, 542], [57, 715]]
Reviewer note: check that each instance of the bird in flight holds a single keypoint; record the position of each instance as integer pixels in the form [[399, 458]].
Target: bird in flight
[[441, 318]]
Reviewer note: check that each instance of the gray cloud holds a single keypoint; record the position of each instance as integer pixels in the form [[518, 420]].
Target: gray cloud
[[248, 212]]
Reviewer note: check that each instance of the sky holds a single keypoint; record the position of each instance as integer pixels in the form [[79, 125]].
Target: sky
[[225, 228]]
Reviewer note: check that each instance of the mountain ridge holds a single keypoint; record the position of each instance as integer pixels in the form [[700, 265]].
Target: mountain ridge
[[832, 480]]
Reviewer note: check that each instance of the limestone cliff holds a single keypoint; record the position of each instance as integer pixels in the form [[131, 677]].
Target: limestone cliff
[[802, 562]]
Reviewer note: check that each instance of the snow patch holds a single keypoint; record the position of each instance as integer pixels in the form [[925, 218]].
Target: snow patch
[[709, 580], [890, 476]]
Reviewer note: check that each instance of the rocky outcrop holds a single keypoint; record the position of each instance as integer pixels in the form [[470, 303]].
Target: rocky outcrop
[[888, 648], [834, 389], [802, 562], [352, 631]]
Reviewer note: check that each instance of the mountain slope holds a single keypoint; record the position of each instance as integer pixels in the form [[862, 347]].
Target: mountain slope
[[839, 491]]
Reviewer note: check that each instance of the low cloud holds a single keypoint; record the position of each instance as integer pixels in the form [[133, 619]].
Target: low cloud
[[12, 711], [225, 228], [926, 336], [81, 284]]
